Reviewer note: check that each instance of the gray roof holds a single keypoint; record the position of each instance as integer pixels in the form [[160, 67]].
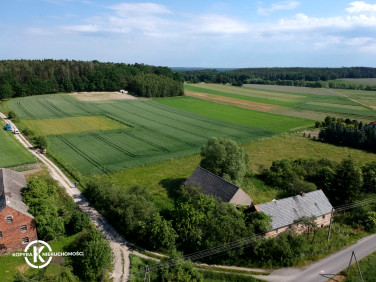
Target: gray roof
[[285, 211], [216, 186], [11, 183]]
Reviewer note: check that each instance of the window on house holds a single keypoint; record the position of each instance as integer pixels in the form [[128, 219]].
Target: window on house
[[9, 218], [323, 217], [23, 228], [1, 234], [276, 231], [2, 247], [322, 225], [25, 240]]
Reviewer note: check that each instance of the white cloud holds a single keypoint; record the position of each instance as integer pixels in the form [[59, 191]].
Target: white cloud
[[279, 6], [82, 28], [217, 24], [359, 7], [131, 9]]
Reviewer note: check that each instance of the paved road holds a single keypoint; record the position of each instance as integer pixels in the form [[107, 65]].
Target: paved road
[[118, 244], [325, 268]]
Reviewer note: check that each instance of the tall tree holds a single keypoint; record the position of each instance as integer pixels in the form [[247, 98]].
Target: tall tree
[[225, 158]]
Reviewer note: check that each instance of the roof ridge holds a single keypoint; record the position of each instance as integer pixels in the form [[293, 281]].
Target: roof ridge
[[293, 196], [219, 177]]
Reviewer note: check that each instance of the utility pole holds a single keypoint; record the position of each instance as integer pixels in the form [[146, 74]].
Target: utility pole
[[330, 225], [357, 264], [147, 270]]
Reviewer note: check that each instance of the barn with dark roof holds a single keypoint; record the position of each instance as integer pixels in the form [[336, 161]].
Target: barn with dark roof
[[216, 186], [17, 226], [285, 212]]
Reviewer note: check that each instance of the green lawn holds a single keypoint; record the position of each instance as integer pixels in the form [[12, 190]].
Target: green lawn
[[12, 153], [9, 265]]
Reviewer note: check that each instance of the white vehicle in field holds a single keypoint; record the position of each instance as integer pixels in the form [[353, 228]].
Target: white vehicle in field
[[16, 131]]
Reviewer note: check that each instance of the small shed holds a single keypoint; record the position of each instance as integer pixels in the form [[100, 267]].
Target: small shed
[[123, 91]]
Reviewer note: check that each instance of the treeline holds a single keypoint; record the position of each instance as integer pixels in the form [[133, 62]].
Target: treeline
[[344, 182], [348, 133], [308, 77], [19, 78]]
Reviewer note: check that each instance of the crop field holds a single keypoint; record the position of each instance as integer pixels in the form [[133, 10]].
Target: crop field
[[275, 123], [300, 102], [106, 136], [11, 152], [73, 125]]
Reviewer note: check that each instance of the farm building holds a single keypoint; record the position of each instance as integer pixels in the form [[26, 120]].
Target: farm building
[[285, 211], [214, 185], [17, 226], [123, 91]]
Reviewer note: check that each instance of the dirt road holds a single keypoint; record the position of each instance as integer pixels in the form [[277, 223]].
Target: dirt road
[[118, 244]]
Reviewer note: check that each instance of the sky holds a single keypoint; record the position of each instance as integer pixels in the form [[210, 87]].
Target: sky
[[179, 33]]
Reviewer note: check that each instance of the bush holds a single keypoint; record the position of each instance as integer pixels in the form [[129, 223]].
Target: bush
[[97, 255]]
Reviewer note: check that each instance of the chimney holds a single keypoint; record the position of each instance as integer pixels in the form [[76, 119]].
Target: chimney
[[302, 194]]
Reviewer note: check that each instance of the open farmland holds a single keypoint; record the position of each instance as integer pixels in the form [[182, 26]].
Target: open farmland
[[300, 102], [12, 153], [115, 135]]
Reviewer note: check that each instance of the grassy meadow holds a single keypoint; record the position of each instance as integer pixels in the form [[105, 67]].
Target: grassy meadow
[[12, 153], [367, 267]]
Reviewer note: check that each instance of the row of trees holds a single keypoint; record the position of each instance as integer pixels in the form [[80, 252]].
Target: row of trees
[[19, 78], [345, 182], [351, 134], [309, 77]]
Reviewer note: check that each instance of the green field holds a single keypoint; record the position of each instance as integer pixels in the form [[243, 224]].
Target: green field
[[292, 101], [106, 136], [73, 125], [12, 153], [275, 123]]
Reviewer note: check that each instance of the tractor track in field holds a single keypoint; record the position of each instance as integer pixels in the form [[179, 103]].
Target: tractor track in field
[[166, 124], [82, 154], [159, 132], [43, 103], [163, 149], [25, 111], [111, 144], [185, 122]]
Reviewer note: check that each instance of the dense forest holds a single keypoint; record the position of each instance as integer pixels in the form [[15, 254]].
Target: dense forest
[[309, 77], [19, 78]]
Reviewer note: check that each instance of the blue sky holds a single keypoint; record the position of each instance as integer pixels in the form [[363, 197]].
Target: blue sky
[[206, 33]]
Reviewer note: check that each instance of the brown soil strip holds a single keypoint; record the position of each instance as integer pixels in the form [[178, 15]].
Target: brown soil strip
[[249, 105], [101, 96]]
